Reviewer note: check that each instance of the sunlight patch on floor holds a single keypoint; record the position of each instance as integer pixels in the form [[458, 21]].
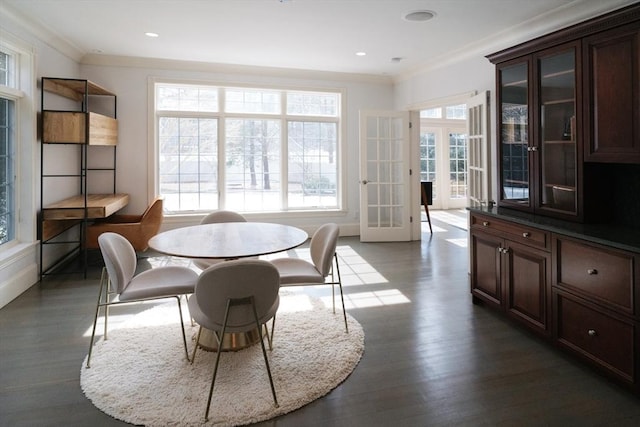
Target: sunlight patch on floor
[[463, 243], [373, 299]]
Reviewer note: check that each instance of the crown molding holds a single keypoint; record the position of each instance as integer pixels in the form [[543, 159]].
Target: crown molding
[[170, 64], [42, 33]]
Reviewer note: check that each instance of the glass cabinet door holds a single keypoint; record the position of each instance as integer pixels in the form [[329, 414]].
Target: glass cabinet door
[[514, 133], [557, 124]]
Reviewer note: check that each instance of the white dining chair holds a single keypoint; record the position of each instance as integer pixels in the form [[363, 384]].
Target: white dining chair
[[232, 297], [120, 285], [324, 268]]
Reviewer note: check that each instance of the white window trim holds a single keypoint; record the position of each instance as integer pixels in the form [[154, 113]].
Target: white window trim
[[25, 134], [18, 259], [152, 148]]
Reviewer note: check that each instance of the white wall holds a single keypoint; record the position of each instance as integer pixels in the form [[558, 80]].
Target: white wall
[[19, 264], [130, 82]]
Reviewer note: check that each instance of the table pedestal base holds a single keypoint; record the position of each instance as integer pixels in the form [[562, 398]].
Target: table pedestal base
[[232, 341]]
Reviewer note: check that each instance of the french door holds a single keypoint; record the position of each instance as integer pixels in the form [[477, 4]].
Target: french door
[[443, 155], [385, 208]]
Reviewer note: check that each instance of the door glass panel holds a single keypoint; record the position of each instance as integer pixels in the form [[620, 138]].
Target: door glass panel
[[372, 214], [458, 165], [558, 131], [385, 217], [514, 120], [428, 158], [372, 194]]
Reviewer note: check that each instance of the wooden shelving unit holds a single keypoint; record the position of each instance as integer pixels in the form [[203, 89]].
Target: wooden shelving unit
[[63, 223]]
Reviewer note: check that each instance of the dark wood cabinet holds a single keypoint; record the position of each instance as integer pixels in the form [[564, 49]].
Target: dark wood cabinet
[[486, 267], [568, 103], [539, 109], [579, 295], [566, 100], [510, 270], [528, 285], [595, 299], [602, 338], [612, 95]]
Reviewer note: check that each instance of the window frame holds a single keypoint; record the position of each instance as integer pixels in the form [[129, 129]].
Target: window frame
[[24, 133], [222, 116]]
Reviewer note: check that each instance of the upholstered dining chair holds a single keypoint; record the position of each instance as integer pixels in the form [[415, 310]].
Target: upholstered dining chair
[[213, 218], [120, 285], [235, 296], [299, 272]]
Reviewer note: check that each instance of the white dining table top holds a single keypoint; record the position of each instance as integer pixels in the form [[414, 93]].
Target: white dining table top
[[228, 240]]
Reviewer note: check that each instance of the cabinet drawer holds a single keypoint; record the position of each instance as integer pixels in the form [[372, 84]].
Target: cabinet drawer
[[603, 339], [600, 273], [512, 231]]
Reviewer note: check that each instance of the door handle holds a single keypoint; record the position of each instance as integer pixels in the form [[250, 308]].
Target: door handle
[[364, 181]]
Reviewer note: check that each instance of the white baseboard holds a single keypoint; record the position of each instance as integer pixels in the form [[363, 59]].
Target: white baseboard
[[18, 272]]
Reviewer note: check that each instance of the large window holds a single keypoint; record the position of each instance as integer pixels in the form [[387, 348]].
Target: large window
[[247, 149], [7, 154]]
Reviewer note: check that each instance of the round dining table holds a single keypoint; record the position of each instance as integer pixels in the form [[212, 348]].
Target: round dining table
[[228, 240]]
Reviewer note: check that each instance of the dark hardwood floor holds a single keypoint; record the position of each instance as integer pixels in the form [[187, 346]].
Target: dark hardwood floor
[[432, 358]]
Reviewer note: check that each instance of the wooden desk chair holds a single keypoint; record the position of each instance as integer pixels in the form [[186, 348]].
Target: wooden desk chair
[[137, 229]]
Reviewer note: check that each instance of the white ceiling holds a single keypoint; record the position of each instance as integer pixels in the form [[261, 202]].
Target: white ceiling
[[321, 35]]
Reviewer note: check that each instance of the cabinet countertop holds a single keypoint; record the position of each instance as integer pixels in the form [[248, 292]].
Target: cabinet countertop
[[616, 236]]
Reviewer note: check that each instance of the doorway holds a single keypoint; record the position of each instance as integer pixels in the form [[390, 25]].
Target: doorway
[[443, 154]]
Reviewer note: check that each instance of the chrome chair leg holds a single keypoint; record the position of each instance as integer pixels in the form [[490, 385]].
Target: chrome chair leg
[[264, 353], [193, 356], [344, 310], [184, 335], [95, 318]]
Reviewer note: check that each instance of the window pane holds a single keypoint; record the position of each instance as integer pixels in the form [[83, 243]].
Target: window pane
[[313, 104], [252, 150], [7, 188], [431, 113], [458, 112], [252, 101], [188, 163], [313, 169], [4, 69], [186, 98]]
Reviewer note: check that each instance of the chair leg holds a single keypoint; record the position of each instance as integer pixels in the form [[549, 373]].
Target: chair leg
[[186, 297], [264, 353], [106, 307], [95, 318], [218, 353], [184, 335], [270, 337], [193, 356], [344, 310]]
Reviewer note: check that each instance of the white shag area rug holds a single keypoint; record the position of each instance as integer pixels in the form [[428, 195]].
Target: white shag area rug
[[140, 375]]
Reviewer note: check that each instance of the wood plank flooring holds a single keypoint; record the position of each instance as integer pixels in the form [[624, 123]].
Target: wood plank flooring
[[432, 358]]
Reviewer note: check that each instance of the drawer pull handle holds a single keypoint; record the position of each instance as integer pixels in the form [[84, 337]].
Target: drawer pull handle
[[526, 234], [592, 271], [592, 332], [485, 223]]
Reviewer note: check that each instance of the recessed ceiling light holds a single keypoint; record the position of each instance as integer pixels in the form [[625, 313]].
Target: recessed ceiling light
[[419, 15], [149, 34], [361, 53]]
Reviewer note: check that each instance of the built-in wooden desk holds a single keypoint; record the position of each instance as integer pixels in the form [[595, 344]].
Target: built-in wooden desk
[[60, 216], [98, 206]]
